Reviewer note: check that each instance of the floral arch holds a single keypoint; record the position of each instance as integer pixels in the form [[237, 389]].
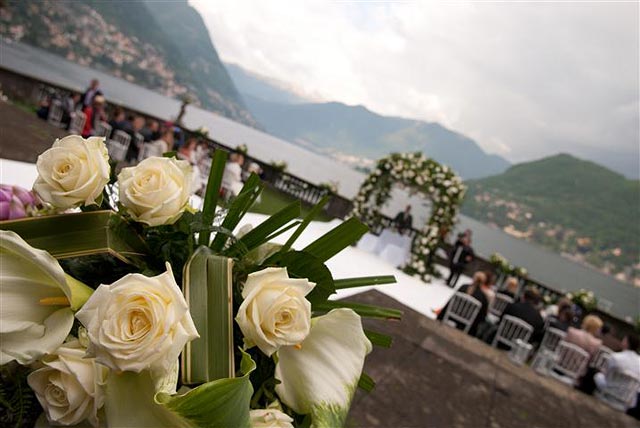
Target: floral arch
[[424, 175]]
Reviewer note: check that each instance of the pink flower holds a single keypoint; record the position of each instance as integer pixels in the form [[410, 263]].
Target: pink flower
[[15, 202]]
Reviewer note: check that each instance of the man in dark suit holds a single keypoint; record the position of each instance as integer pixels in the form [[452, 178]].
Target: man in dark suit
[[404, 221], [90, 93], [526, 310], [461, 254]]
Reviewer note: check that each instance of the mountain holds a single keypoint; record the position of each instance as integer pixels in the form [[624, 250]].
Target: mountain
[[577, 207], [252, 84], [357, 131], [163, 46]]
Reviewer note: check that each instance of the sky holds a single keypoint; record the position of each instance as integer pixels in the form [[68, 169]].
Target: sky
[[525, 80]]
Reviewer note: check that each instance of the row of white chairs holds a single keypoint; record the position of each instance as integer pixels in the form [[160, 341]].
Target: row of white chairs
[[56, 113]]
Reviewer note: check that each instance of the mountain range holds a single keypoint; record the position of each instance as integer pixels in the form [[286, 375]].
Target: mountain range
[[334, 127], [573, 206]]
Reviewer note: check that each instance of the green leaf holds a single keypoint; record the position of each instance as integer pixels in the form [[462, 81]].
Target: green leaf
[[312, 214], [207, 286], [379, 339], [238, 208], [171, 154], [131, 401], [337, 239], [366, 383], [221, 403], [368, 311], [364, 281], [211, 196], [264, 231], [82, 234], [300, 264]]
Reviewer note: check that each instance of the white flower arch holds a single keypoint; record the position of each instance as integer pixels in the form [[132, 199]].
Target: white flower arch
[[438, 182]]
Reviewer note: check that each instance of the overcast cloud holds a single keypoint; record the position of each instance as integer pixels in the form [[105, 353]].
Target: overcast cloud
[[524, 80]]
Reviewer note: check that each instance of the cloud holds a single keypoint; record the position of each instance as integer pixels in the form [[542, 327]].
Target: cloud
[[525, 80]]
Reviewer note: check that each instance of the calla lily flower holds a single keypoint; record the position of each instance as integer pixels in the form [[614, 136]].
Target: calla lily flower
[[320, 375], [37, 301]]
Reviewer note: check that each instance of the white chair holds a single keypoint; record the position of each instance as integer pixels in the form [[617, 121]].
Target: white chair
[[510, 330], [463, 309], [78, 120], [570, 364], [119, 145], [500, 302], [103, 130], [622, 388], [600, 358], [55, 113], [552, 338]]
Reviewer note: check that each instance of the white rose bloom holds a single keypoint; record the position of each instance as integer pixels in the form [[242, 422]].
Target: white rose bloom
[[73, 171], [274, 311], [69, 387], [157, 190], [270, 418], [138, 323], [37, 301]]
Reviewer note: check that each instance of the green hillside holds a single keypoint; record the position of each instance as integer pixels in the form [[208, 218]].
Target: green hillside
[[163, 46], [568, 204], [361, 132]]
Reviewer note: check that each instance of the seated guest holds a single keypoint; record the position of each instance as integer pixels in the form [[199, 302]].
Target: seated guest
[[488, 286], [232, 177], [188, 151], [403, 221], [527, 310], [510, 287], [119, 121], [609, 339], [461, 255], [94, 115], [474, 290], [627, 360], [160, 146], [564, 318], [151, 132], [69, 108], [586, 336]]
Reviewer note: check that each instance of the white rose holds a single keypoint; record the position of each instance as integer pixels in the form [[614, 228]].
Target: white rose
[[69, 387], [73, 171], [157, 190], [270, 418], [138, 323], [274, 311]]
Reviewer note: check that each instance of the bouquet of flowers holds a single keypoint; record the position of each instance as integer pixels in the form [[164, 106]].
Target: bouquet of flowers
[[499, 262], [583, 298], [131, 308]]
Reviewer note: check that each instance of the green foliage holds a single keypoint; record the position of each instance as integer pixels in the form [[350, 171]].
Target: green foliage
[[567, 198], [19, 406]]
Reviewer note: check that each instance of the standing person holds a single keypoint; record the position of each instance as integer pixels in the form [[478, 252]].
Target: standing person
[[403, 221], [461, 255], [94, 114], [92, 91], [69, 108]]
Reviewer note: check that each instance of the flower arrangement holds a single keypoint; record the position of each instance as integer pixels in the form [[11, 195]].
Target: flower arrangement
[[583, 298], [16, 202], [499, 262], [130, 308], [330, 186], [438, 182], [279, 166], [242, 148]]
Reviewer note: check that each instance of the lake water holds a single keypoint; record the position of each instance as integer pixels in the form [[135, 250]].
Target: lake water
[[543, 265]]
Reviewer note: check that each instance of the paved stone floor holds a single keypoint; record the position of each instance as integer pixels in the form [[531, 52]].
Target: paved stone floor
[[23, 136], [436, 376]]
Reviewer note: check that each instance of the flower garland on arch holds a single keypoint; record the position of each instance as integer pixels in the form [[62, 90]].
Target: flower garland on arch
[[438, 182]]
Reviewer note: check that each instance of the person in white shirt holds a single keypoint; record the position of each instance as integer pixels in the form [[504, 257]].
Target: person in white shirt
[[232, 177], [627, 361], [163, 145]]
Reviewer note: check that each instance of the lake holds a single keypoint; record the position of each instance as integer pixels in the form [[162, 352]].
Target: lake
[[542, 264]]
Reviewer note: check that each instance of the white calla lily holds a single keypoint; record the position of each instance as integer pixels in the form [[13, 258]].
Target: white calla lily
[[37, 300], [321, 376]]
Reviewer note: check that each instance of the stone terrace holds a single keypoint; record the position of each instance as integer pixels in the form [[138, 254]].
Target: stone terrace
[[436, 376]]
